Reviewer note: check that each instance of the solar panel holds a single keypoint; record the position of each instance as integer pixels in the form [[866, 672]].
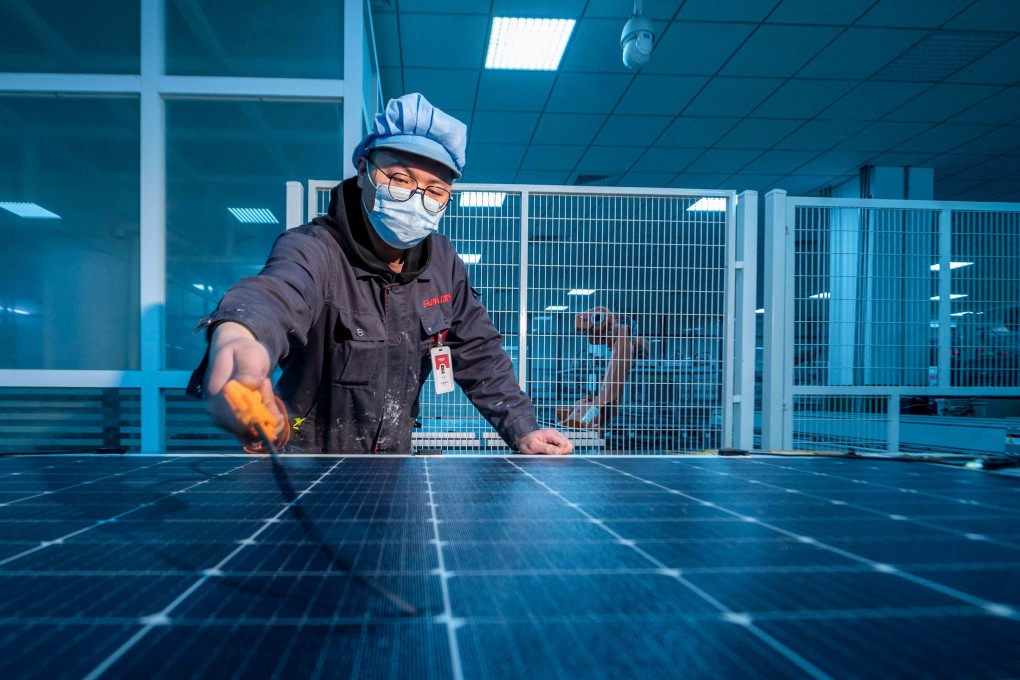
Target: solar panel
[[601, 566]]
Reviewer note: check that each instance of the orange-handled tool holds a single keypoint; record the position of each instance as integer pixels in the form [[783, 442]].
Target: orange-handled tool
[[249, 409]]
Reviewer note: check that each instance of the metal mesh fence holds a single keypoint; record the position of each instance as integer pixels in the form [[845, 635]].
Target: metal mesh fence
[[65, 420], [902, 314], [624, 317]]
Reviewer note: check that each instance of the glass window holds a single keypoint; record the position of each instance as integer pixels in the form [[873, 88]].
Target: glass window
[[269, 38], [69, 215], [232, 154], [70, 37]]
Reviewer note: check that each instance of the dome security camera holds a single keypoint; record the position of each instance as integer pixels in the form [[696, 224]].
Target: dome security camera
[[637, 40]]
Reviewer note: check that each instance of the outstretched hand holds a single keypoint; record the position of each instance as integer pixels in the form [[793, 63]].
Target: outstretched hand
[[549, 442], [235, 354]]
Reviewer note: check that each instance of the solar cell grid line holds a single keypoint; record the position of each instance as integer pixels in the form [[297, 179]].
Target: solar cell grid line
[[962, 501], [446, 617], [882, 513], [85, 483], [58, 541], [162, 617], [725, 613], [993, 608]]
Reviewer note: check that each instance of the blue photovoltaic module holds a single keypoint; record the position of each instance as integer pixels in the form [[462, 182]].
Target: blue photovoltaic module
[[601, 566]]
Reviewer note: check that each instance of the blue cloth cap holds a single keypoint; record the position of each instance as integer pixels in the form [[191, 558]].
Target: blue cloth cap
[[411, 124]]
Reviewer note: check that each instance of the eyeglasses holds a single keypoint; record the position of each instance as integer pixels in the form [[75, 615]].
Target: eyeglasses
[[401, 187]]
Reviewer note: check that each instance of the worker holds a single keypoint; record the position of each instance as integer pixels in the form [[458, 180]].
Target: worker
[[362, 304]]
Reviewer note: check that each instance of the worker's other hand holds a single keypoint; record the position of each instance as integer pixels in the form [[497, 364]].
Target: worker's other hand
[[548, 442], [235, 354]]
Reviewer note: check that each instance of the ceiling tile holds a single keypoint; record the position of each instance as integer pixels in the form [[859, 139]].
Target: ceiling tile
[[895, 159], [552, 157], [999, 15], [595, 47], [870, 100], [558, 177], [806, 185], [567, 128], [1000, 140], [830, 12], [880, 136], [690, 131], [654, 180], [943, 138], [941, 102], [631, 130], [621, 9], [750, 182], [1000, 108], [940, 55], [695, 48], [834, 163], [778, 162], [446, 88], [541, 9], [446, 7], [860, 52], [910, 13], [948, 189], [993, 169], [820, 135], [723, 161], [757, 133], [663, 95], [803, 98], [501, 90], [501, 127], [483, 156], [609, 159], [989, 191], [733, 97], [1000, 67], [713, 10], [667, 161], [439, 41], [951, 164], [587, 92], [697, 181], [487, 176], [778, 51]]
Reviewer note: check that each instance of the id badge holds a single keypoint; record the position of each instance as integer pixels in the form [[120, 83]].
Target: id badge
[[442, 369]]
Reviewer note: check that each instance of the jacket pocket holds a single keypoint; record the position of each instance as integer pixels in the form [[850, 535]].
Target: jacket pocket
[[433, 322], [359, 341]]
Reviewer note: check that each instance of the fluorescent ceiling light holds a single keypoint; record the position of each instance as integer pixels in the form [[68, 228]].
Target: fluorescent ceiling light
[[960, 313], [29, 210], [821, 296], [709, 204], [254, 215], [528, 44], [542, 318], [470, 258], [482, 199], [556, 308], [952, 296], [952, 265], [759, 311], [581, 291], [15, 310], [202, 287]]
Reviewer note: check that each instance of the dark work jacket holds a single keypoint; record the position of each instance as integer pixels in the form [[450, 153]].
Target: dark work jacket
[[353, 338]]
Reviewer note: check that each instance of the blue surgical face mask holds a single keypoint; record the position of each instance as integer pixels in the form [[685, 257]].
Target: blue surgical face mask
[[400, 224]]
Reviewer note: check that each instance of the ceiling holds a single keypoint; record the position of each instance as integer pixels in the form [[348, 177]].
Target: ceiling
[[746, 94]]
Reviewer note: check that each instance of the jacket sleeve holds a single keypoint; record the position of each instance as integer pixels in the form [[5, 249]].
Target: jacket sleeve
[[482, 368], [281, 303]]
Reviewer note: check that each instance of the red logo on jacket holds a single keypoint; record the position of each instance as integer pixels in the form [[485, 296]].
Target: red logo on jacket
[[446, 297]]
